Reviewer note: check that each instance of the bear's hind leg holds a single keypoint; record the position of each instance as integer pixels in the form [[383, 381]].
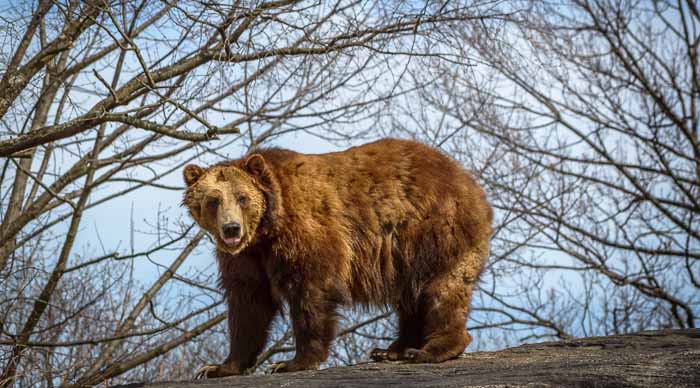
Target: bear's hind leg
[[446, 305], [410, 336]]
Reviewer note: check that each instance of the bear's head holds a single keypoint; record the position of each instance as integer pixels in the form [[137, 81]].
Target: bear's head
[[229, 200]]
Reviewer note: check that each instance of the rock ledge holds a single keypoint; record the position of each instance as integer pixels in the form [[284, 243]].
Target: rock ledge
[[668, 358]]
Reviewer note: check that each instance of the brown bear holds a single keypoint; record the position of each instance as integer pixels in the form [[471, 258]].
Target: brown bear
[[390, 223]]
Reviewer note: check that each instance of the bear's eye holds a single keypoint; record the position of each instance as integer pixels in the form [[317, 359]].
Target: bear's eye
[[243, 200], [212, 205]]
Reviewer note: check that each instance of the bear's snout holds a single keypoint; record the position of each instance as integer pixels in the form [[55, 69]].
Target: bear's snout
[[232, 233]]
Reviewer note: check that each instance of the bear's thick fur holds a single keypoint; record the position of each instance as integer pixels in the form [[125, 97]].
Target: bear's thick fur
[[390, 223]]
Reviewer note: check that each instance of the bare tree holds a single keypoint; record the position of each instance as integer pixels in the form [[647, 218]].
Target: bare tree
[[103, 99], [580, 118], [583, 120]]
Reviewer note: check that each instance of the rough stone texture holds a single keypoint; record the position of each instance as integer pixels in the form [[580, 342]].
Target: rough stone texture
[[669, 358]]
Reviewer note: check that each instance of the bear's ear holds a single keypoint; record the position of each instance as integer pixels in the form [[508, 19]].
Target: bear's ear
[[192, 173], [256, 166]]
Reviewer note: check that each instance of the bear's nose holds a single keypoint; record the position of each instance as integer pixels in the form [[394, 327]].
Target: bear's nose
[[232, 230]]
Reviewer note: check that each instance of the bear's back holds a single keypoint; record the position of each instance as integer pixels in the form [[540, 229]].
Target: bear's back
[[390, 177]]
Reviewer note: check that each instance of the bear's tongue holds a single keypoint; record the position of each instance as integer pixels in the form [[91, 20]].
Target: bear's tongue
[[232, 240]]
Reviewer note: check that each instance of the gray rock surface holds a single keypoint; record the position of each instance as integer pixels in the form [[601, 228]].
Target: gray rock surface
[[669, 358]]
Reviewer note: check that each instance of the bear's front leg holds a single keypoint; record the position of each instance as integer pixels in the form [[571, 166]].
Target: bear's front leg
[[313, 313], [251, 309]]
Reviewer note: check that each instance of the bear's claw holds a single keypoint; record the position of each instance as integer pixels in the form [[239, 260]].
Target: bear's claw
[[290, 366], [379, 355], [203, 372], [277, 367], [382, 355]]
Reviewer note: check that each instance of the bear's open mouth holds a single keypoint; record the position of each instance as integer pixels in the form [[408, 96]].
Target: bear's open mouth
[[232, 241]]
